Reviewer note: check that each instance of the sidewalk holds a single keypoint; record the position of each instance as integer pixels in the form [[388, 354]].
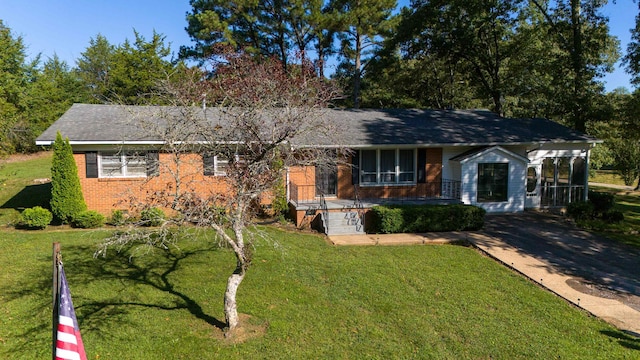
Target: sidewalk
[[612, 311], [612, 186]]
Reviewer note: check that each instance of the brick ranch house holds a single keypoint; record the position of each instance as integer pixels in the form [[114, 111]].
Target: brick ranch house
[[397, 156]]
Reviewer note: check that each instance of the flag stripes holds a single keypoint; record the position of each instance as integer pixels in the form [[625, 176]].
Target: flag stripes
[[69, 344]]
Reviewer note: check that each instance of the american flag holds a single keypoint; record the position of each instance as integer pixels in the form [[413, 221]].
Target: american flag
[[69, 344]]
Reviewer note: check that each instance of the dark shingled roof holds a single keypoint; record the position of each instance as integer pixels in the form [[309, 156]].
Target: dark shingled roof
[[84, 123]]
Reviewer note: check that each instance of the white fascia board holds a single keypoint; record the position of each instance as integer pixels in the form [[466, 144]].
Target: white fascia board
[[378, 146]]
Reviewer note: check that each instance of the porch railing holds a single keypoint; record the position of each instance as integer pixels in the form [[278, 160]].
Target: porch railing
[[359, 206], [445, 189], [560, 195], [325, 213]]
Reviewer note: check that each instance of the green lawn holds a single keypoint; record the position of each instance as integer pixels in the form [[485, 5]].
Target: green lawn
[[627, 231], [18, 189], [606, 177], [315, 300]]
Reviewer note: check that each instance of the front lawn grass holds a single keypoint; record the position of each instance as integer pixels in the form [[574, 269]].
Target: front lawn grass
[[316, 301], [18, 190], [606, 177], [626, 231]]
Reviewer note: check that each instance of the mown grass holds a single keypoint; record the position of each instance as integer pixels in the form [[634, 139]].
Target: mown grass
[[18, 189], [626, 231], [317, 301], [606, 177]]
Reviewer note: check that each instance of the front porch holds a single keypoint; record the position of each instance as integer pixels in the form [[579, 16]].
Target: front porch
[[334, 215]]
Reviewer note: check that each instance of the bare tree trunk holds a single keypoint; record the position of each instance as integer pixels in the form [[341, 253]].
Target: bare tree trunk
[[230, 304], [358, 72], [242, 264]]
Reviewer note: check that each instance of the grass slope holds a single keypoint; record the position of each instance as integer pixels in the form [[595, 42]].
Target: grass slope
[[317, 301], [18, 189]]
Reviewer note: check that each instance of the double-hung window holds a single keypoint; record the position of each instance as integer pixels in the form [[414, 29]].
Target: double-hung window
[[217, 165], [122, 164], [387, 166], [493, 182]]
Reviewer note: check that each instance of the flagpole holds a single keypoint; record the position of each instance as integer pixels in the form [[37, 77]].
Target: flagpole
[[56, 297]]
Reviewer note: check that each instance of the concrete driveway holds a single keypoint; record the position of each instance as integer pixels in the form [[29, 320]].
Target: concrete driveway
[[548, 248]]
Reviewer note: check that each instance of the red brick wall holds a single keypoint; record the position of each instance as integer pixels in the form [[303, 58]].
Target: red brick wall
[[304, 177], [106, 194]]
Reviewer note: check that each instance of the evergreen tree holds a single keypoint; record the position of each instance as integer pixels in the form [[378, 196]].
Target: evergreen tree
[[94, 68], [66, 193], [361, 26], [12, 84]]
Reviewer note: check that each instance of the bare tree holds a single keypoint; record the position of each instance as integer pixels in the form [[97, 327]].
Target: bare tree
[[250, 120]]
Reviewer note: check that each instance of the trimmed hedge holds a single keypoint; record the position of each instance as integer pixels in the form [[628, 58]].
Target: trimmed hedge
[[88, 220], [35, 218], [425, 218]]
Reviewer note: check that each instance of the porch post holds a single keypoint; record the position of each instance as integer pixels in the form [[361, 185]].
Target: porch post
[[587, 163]]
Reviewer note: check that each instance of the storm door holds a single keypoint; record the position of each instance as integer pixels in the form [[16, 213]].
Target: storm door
[[326, 180]]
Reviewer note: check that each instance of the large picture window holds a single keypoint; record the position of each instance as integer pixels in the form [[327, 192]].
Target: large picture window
[[387, 166], [493, 182], [122, 164]]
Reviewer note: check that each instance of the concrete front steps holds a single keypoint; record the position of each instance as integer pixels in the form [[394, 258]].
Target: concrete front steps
[[344, 222]]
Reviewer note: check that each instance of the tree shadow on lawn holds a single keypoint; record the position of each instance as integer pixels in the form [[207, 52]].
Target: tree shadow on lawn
[[624, 339], [30, 196], [83, 270], [152, 270]]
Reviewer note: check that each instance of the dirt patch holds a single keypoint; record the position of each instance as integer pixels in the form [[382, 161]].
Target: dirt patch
[[585, 287], [24, 157], [249, 328]]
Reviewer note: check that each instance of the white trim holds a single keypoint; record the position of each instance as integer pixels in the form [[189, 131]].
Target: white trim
[[123, 165]]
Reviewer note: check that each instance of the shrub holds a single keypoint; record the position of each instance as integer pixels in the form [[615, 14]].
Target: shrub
[[581, 210], [425, 218], [386, 220], [602, 201], [118, 217], [88, 220], [613, 216], [35, 218], [66, 193], [152, 217]]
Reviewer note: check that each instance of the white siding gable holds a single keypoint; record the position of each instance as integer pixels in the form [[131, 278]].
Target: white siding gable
[[516, 193]]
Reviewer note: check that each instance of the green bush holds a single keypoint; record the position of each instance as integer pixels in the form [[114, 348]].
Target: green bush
[[581, 210], [88, 220], [602, 201], [386, 220], [152, 217], [425, 218], [613, 216], [35, 218], [66, 194], [118, 217]]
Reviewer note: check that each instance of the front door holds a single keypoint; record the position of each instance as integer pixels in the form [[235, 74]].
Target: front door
[[533, 187], [326, 180]]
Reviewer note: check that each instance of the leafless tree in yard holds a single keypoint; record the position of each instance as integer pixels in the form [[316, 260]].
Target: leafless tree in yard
[[255, 120]]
